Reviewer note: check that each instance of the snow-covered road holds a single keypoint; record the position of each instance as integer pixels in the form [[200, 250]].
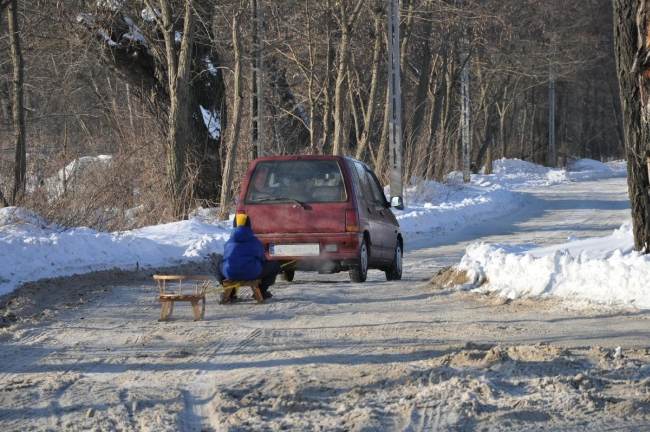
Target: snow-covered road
[[551, 215], [325, 354]]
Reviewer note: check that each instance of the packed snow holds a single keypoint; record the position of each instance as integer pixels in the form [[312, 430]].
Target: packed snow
[[32, 249], [603, 271]]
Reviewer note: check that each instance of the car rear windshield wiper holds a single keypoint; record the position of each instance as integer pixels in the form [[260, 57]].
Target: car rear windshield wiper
[[276, 199]]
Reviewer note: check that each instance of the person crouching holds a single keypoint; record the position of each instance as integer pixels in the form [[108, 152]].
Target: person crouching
[[243, 257]]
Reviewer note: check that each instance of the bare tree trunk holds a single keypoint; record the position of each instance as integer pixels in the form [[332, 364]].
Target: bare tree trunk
[[178, 70], [417, 120], [439, 98], [233, 136], [362, 144], [551, 156], [632, 44], [4, 103], [489, 169], [347, 21], [327, 103], [443, 137], [18, 113], [383, 139]]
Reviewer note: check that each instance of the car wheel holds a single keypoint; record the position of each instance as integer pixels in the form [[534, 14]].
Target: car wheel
[[360, 272], [288, 275], [395, 270]]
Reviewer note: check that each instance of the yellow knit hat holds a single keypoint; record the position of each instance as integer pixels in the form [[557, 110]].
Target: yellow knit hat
[[240, 219]]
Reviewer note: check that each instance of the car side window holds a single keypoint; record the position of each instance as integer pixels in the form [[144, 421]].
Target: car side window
[[377, 192], [366, 188]]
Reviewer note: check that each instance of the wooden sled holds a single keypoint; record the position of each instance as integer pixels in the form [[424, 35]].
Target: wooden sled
[[195, 294], [230, 290]]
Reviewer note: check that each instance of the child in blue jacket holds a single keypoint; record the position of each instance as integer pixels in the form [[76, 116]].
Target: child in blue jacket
[[243, 257]]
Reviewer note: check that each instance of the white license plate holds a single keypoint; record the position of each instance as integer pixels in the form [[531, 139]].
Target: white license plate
[[295, 250]]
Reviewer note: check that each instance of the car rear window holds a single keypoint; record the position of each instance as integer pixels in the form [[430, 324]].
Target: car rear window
[[305, 181]]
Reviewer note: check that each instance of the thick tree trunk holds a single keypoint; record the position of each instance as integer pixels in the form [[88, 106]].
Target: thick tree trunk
[[5, 107], [178, 69], [362, 144], [341, 73], [18, 113], [380, 161], [444, 137], [489, 160], [233, 135], [144, 67], [417, 119], [347, 21], [485, 151], [439, 98], [291, 121], [632, 42], [327, 98]]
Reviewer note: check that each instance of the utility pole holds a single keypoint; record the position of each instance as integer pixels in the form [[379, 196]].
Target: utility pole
[[465, 130], [395, 96], [552, 149], [257, 81]]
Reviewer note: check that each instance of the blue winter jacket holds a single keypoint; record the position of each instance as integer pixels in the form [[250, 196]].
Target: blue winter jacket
[[243, 255]]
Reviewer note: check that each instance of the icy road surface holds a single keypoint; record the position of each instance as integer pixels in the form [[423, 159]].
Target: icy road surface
[[325, 354]]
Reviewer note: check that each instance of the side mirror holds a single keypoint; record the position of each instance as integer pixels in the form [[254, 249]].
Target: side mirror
[[397, 202]]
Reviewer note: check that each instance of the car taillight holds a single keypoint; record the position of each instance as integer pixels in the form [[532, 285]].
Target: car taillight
[[351, 221]]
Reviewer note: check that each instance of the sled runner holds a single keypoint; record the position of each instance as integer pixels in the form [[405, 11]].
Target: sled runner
[[230, 290]]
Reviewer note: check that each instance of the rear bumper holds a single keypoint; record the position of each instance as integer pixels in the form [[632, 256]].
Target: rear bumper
[[347, 247]]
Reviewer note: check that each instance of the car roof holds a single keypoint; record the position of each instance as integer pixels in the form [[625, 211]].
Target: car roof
[[299, 157], [307, 157]]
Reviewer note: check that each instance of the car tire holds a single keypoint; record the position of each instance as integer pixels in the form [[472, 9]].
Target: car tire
[[394, 272], [360, 272], [288, 275]]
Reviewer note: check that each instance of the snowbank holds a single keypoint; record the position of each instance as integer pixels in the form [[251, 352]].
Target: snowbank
[[32, 249], [589, 169], [599, 270], [520, 174], [438, 208]]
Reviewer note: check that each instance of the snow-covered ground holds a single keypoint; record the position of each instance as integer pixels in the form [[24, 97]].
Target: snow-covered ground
[[603, 270], [32, 249], [327, 354], [441, 208]]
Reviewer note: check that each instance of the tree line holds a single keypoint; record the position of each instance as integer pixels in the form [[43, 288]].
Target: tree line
[[183, 93]]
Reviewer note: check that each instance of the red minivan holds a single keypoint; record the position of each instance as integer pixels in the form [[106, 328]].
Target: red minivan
[[327, 213]]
